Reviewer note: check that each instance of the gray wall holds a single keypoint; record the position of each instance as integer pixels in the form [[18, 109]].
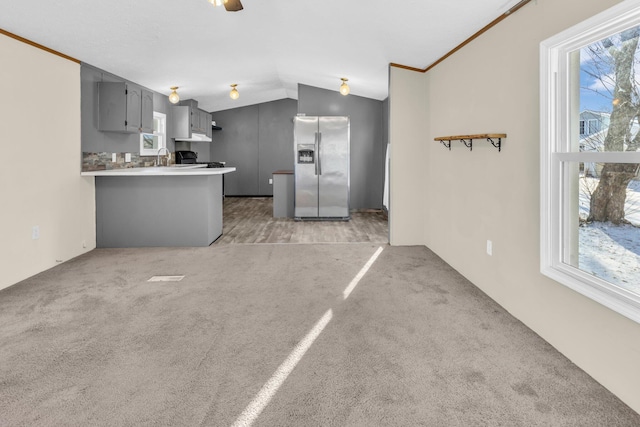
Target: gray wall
[[257, 140], [94, 140], [368, 139], [385, 121]]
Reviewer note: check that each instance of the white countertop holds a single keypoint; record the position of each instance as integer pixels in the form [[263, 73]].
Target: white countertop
[[161, 171]]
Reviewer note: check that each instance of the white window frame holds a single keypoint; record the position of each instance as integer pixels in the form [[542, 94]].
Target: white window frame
[[161, 134], [555, 134]]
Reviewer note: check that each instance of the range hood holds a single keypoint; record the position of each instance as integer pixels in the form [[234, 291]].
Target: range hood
[[196, 137]]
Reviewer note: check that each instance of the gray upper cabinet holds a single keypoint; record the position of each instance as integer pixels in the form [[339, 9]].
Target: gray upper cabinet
[[194, 115], [124, 107], [189, 119]]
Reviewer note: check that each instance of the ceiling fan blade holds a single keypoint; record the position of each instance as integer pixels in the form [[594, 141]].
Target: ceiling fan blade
[[233, 5]]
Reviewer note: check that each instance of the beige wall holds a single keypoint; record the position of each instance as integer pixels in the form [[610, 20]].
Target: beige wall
[[40, 176], [492, 86], [407, 124]]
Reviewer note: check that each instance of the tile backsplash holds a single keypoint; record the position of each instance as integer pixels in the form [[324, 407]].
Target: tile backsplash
[[103, 161]]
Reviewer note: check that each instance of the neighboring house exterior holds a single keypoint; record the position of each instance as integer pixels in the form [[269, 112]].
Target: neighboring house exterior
[[593, 130], [593, 122]]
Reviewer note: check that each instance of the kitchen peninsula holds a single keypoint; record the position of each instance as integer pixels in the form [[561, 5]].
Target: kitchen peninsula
[[158, 206]]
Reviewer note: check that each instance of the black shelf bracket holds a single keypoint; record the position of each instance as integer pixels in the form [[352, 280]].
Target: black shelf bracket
[[498, 145], [494, 138]]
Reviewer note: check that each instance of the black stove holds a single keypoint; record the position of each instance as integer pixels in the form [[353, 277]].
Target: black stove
[[184, 157]]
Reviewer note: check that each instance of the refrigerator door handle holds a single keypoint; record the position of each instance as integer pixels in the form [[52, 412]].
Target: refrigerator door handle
[[315, 152], [318, 156]]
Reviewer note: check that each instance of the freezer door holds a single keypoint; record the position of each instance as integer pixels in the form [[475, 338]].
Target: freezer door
[[333, 167], [305, 131]]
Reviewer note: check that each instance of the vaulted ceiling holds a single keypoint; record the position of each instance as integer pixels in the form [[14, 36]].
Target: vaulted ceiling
[[267, 48]]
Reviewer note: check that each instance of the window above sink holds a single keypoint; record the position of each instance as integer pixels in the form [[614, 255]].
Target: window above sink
[[150, 143]]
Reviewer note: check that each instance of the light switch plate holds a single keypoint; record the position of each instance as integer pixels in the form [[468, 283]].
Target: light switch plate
[[489, 247], [127, 157], [114, 157]]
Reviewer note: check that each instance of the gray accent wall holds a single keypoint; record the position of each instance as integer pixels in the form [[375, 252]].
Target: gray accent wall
[[368, 139], [385, 121], [275, 148], [94, 140], [257, 140]]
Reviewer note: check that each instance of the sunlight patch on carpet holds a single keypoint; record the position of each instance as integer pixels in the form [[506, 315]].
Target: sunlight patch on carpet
[[270, 388], [361, 273], [165, 279], [262, 399]]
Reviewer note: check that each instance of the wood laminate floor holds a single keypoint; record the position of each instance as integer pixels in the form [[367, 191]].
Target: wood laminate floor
[[250, 220]]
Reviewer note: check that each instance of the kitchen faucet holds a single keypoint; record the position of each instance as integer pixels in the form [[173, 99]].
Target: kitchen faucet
[[168, 156]]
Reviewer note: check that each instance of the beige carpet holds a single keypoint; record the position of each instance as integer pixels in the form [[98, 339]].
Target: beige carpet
[[92, 343]]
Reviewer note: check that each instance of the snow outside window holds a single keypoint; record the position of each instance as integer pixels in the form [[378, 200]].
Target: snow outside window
[[150, 143], [590, 182]]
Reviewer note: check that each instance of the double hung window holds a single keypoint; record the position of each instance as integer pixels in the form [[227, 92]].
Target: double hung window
[[590, 182]]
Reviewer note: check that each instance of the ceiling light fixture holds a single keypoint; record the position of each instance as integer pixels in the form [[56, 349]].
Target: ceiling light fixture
[[229, 5], [173, 96], [234, 92], [344, 87]]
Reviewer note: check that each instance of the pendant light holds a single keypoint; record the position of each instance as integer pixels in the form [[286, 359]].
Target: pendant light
[[217, 2], [344, 87], [234, 92], [173, 96]]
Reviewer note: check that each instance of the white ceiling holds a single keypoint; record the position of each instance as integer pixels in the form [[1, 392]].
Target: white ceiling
[[267, 48]]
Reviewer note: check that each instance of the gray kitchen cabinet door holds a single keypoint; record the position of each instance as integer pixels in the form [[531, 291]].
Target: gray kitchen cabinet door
[[120, 107], [194, 114], [197, 121], [134, 108], [112, 106], [206, 124], [146, 114]]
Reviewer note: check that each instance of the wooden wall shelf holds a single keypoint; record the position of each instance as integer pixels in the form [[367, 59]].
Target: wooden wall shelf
[[494, 138]]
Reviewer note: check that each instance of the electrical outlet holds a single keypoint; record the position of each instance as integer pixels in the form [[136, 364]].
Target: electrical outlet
[[114, 157], [35, 232], [127, 157], [270, 180], [489, 247]]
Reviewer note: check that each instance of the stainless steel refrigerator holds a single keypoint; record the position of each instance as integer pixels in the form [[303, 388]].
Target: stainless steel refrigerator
[[321, 167]]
